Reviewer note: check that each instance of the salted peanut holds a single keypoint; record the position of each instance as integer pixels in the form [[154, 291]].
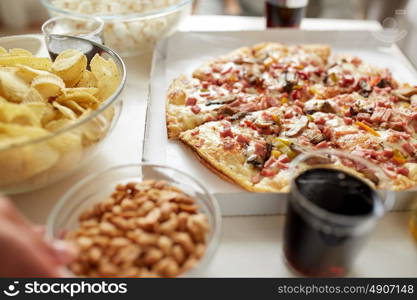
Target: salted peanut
[[184, 240], [127, 255], [90, 213], [169, 226], [108, 204], [161, 265], [94, 254], [197, 226], [184, 199], [117, 209], [200, 249], [131, 271], [148, 274], [78, 268], [144, 185], [119, 242], [147, 239], [160, 184], [92, 231], [154, 194], [89, 223], [120, 222], [106, 216], [171, 269], [178, 254], [101, 240], [145, 208], [167, 195], [182, 221], [165, 244], [128, 204], [152, 256], [84, 242], [166, 209], [189, 264], [190, 208], [106, 268], [108, 228], [150, 220], [118, 196], [128, 214]]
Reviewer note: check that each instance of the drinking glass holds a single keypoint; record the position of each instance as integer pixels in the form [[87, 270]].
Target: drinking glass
[[56, 29], [335, 201], [285, 13]]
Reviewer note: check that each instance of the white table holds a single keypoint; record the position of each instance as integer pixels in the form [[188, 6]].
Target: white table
[[250, 246]]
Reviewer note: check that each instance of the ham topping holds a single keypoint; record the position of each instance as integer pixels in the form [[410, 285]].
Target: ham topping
[[195, 109]]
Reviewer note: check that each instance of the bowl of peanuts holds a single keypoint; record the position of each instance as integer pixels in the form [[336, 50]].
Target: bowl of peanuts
[[131, 27], [138, 220]]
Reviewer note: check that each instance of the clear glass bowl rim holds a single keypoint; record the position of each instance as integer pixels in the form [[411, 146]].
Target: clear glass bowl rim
[[217, 218], [112, 99], [86, 17], [125, 17]]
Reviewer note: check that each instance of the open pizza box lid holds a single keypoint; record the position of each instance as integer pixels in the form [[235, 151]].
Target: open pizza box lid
[[185, 51]]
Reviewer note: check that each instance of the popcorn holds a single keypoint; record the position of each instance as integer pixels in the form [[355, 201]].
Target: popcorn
[[130, 36]]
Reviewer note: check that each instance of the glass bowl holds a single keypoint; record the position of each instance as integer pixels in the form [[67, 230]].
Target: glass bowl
[[33, 164], [90, 28], [129, 31], [97, 187]]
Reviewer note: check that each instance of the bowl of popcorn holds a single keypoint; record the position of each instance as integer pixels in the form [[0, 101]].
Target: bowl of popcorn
[[131, 26], [54, 114], [138, 220]]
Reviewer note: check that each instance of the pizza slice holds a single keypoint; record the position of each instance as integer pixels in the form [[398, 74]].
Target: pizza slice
[[267, 68], [348, 74], [258, 145]]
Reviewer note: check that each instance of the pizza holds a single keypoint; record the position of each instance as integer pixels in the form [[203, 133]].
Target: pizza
[[249, 113]]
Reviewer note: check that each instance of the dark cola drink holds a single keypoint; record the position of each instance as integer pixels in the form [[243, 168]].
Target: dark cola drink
[[329, 215], [284, 13]]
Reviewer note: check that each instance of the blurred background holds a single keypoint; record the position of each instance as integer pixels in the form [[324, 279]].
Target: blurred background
[[17, 16]]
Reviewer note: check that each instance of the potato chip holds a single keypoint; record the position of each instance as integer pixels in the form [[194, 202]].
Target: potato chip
[[3, 51], [12, 87], [28, 74], [3, 100], [33, 96], [67, 142], [70, 65], [83, 97], [75, 107], [96, 128], [56, 125], [49, 85], [40, 63], [65, 111], [43, 111], [19, 52], [40, 157], [87, 80], [16, 130], [107, 75], [18, 114], [90, 90], [24, 162]]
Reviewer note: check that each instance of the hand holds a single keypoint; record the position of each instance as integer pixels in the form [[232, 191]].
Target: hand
[[24, 252]]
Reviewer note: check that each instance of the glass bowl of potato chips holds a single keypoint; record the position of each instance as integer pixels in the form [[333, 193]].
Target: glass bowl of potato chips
[[55, 114]]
